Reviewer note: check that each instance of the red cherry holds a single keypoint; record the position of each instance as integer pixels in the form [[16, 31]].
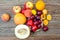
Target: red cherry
[[36, 23], [34, 28], [39, 26], [40, 21], [39, 13], [30, 22], [45, 28], [32, 17]]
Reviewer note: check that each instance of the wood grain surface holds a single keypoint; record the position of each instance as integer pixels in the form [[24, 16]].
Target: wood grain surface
[[7, 29]]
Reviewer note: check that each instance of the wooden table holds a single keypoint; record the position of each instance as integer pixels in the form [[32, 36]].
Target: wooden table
[[7, 29]]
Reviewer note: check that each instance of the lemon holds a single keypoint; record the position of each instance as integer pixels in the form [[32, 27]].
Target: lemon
[[45, 11], [49, 17], [34, 12], [45, 22]]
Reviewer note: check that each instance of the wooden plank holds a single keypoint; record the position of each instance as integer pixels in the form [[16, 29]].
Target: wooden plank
[[33, 38], [7, 29]]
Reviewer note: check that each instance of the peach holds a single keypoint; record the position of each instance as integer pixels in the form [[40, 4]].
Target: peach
[[27, 13], [5, 17]]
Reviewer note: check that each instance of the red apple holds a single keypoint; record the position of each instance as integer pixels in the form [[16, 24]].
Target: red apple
[[28, 5], [16, 9], [27, 13]]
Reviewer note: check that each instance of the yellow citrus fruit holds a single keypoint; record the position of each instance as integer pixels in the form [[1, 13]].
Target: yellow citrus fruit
[[45, 22], [43, 16], [34, 12], [49, 17], [45, 11], [40, 5], [19, 18]]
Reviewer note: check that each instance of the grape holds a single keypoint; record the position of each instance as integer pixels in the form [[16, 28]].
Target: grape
[[38, 17]]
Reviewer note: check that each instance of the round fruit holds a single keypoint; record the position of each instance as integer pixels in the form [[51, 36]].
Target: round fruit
[[45, 28], [34, 12], [22, 31], [34, 28], [39, 13], [32, 17], [16, 9], [27, 13], [30, 22], [40, 5], [43, 16], [39, 26], [45, 11], [45, 22], [19, 18], [40, 21], [49, 17], [36, 23], [29, 5], [5, 17], [38, 17]]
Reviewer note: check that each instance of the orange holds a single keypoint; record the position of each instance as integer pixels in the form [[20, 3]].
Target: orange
[[19, 18], [40, 5]]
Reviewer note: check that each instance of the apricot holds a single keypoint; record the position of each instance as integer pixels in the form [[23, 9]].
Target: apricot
[[5, 17]]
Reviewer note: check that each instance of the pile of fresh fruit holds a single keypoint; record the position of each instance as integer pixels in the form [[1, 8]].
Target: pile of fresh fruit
[[30, 17]]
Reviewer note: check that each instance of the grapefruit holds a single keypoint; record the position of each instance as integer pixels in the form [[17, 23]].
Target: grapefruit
[[19, 18]]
